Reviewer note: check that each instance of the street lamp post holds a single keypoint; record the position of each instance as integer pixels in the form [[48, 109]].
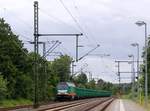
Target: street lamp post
[[133, 76], [141, 23]]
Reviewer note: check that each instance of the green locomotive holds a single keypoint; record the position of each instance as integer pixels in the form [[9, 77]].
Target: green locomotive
[[70, 91]]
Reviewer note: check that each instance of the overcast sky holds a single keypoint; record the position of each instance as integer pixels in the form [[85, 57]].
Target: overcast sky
[[110, 23]]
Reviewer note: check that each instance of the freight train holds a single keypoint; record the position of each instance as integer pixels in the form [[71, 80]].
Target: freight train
[[68, 90]]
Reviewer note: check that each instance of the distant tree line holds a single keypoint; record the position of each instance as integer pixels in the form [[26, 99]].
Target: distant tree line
[[82, 81]]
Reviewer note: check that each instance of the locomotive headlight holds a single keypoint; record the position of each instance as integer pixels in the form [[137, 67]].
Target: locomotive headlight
[[58, 93], [62, 92]]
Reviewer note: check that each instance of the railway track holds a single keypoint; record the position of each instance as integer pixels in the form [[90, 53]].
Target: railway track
[[91, 105], [30, 107], [63, 105]]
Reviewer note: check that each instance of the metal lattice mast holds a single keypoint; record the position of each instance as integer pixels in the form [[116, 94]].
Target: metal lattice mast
[[77, 40], [118, 66], [45, 71], [36, 48]]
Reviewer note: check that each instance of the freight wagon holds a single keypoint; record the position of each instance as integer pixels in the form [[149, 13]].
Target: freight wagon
[[69, 91]]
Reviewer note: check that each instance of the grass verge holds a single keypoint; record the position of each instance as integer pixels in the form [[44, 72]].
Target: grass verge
[[13, 103]]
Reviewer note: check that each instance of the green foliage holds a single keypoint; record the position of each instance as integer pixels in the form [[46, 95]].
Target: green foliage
[[3, 88], [102, 85], [61, 68], [13, 103], [81, 79], [91, 84], [142, 78], [51, 92], [24, 87], [81, 85], [58, 70], [13, 61]]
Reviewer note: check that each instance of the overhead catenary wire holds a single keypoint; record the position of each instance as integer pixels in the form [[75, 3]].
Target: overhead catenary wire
[[53, 17], [59, 20], [66, 50], [89, 31], [110, 74], [75, 20], [21, 35]]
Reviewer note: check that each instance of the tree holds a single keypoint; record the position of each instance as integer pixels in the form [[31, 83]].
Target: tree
[[91, 84], [102, 85], [61, 67], [81, 79], [14, 63]]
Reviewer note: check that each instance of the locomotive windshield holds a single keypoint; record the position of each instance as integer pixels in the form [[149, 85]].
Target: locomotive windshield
[[62, 86]]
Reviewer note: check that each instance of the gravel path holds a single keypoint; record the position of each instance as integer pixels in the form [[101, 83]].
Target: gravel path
[[124, 105]]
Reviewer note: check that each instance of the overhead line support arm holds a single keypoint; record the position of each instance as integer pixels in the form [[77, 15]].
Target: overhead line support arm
[[60, 34], [89, 52]]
